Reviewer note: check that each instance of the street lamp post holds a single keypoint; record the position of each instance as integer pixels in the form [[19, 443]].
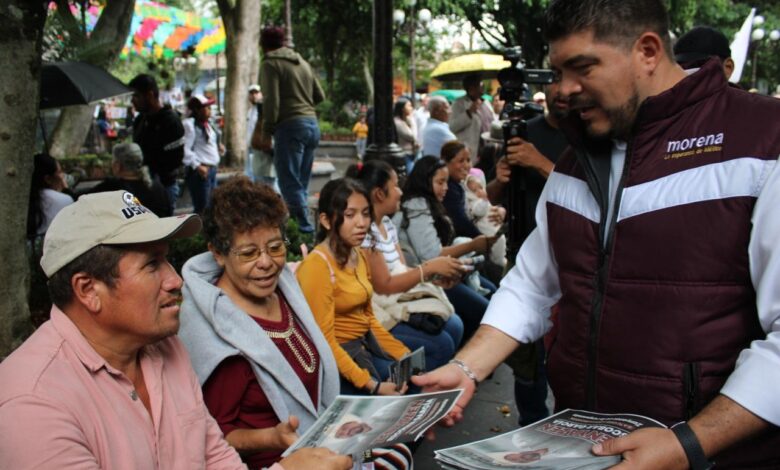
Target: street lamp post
[[382, 145], [758, 35], [423, 18]]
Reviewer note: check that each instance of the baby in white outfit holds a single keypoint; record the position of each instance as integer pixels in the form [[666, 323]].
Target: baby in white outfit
[[478, 207]]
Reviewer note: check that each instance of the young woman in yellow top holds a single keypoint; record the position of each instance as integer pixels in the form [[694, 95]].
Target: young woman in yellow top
[[336, 282]]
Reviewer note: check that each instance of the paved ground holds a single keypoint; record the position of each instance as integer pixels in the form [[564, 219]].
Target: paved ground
[[484, 418]]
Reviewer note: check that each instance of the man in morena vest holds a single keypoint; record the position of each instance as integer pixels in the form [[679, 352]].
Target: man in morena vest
[[657, 235]]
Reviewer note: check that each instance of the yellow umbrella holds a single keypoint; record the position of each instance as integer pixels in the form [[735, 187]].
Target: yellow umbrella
[[487, 65]]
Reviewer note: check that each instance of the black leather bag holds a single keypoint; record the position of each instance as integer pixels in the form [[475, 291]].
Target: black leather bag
[[431, 324]]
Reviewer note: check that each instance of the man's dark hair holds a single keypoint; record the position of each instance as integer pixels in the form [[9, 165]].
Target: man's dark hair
[[100, 262], [143, 83], [471, 80], [272, 37], [618, 22], [701, 43]]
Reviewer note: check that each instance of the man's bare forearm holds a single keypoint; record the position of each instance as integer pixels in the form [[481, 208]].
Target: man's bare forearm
[[723, 423], [486, 350]]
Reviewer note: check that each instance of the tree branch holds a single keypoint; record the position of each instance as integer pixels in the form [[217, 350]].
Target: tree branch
[[228, 14]]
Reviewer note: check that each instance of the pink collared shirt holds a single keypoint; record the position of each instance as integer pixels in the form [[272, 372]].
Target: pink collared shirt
[[63, 406]]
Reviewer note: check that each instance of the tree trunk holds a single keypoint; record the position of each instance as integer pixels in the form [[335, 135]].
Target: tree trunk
[[242, 31], [110, 34], [71, 130], [21, 33]]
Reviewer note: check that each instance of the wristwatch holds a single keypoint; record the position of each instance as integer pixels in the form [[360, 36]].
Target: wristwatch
[[690, 444]]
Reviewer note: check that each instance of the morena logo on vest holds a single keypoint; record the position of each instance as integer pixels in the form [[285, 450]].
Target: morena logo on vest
[[694, 142]]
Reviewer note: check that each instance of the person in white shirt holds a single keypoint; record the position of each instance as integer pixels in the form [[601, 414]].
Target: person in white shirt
[[437, 132], [201, 152], [421, 115], [46, 196], [471, 115]]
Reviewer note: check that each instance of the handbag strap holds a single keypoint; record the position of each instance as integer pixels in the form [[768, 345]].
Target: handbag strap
[[330, 268]]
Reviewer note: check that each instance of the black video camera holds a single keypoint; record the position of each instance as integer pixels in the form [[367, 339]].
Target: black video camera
[[517, 111], [514, 82]]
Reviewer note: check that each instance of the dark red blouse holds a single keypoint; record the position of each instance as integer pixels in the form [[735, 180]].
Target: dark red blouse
[[236, 400]]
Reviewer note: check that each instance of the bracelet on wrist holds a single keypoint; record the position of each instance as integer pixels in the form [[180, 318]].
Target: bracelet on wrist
[[422, 273], [376, 387], [692, 447], [466, 370]]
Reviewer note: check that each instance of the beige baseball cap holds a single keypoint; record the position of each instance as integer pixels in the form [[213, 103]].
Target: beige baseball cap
[[109, 218]]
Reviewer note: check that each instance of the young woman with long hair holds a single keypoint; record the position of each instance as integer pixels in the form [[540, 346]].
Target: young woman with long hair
[[336, 282], [428, 319], [427, 232]]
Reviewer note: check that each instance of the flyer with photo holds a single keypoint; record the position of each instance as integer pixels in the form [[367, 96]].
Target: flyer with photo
[[353, 424], [560, 442]]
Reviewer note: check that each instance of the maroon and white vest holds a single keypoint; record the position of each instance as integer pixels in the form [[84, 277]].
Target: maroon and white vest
[[655, 310]]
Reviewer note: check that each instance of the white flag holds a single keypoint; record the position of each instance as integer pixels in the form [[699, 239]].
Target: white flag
[[739, 48]]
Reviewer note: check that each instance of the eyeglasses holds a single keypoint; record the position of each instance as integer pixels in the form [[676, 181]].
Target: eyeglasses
[[273, 249]]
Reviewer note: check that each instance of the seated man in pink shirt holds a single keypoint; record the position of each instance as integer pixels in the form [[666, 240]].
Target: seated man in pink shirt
[[106, 383]]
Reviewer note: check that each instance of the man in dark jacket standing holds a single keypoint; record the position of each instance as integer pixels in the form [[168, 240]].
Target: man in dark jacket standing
[[158, 131], [290, 93], [657, 238]]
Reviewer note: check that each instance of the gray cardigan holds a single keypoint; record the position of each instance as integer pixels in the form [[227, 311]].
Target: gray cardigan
[[213, 328], [419, 240]]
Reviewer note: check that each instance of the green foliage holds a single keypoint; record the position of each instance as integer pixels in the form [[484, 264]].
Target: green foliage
[[296, 238], [89, 165], [501, 24], [728, 16], [182, 249], [160, 68]]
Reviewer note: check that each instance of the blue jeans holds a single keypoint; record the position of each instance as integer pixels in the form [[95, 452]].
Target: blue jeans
[[294, 143], [409, 162], [531, 395], [173, 195], [439, 348], [382, 367], [200, 188], [248, 167], [470, 304], [361, 147]]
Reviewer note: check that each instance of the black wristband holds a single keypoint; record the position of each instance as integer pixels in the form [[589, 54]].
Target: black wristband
[[376, 387], [690, 444]]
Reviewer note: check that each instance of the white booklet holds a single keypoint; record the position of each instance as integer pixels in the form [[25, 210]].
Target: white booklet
[[560, 442], [354, 424]]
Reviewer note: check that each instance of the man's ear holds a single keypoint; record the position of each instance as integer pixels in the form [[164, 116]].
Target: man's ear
[[649, 49], [324, 221], [728, 67], [86, 290]]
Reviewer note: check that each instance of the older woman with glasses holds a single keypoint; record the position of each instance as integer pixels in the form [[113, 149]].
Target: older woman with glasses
[[265, 367]]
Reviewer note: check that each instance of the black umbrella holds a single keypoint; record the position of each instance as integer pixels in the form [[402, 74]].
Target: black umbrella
[[71, 83]]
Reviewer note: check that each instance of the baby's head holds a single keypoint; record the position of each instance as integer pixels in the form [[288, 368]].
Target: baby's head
[[475, 182]]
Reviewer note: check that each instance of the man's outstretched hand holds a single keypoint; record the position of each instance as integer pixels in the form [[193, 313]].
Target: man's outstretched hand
[[448, 377]]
